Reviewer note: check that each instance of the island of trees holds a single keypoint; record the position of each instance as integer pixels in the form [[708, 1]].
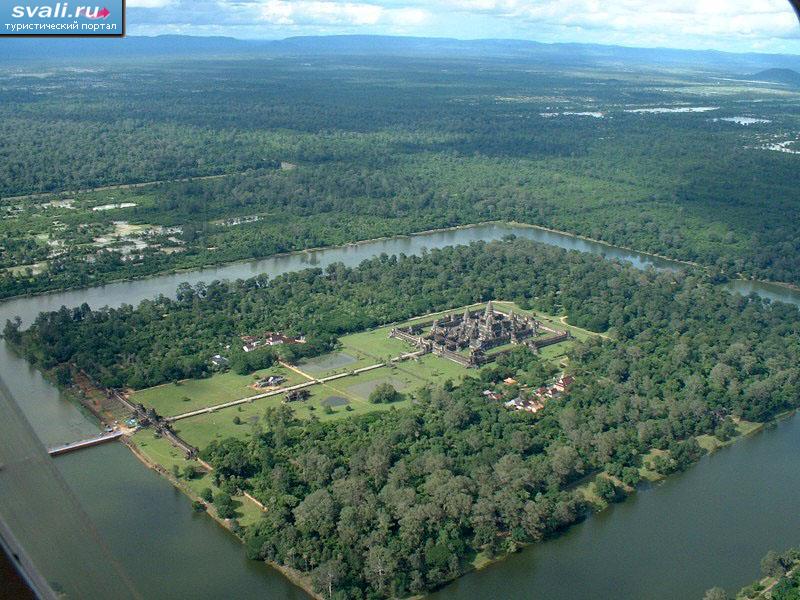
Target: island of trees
[[399, 502]]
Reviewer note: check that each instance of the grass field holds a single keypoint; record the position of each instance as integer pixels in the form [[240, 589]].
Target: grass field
[[434, 369], [646, 473], [358, 387], [711, 443], [202, 429], [192, 394], [356, 351], [334, 363], [374, 343]]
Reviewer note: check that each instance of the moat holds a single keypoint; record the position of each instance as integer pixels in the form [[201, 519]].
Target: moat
[[711, 524]]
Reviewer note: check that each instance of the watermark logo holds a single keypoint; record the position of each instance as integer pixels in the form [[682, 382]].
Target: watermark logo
[[50, 18]]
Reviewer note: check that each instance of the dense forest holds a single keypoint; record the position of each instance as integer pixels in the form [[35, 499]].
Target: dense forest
[[401, 502], [382, 145]]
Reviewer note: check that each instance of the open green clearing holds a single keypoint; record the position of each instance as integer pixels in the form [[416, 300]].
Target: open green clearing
[[375, 344], [335, 362], [357, 350], [365, 388], [173, 399], [712, 443], [202, 429]]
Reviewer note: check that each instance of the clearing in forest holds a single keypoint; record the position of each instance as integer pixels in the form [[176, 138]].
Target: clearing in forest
[[346, 389]]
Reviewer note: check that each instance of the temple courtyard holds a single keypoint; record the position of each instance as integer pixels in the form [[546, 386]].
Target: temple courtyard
[[428, 351]]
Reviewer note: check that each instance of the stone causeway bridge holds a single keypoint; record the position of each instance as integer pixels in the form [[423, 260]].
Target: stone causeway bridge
[[86, 443]]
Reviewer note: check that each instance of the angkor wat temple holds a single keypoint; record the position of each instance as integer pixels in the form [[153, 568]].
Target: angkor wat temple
[[466, 338]]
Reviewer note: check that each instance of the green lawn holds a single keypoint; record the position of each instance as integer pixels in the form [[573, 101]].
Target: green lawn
[[357, 350], [337, 362], [192, 394], [436, 369], [354, 390], [358, 387], [202, 429], [711, 443], [646, 473], [375, 343], [556, 353]]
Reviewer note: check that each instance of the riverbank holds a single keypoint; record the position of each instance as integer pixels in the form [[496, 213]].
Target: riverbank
[[596, 506], [789, 286], [653, 257], [243, 261], [295, 577], [604, 243], [353, 244]]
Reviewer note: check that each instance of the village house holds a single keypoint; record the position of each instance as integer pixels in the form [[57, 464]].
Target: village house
[[270, 381], [270, 338], [562, 385], [516, 403], [539, 397], [531, 405], [219, 362], [296, 395]]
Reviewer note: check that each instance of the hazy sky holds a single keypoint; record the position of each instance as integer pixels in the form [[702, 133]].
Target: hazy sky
[[737, 25]]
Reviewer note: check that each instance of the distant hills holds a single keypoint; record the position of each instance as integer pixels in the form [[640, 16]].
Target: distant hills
[[568, 54], [785, 76]]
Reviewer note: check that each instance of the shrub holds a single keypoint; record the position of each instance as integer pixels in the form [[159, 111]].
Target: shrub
[[385, 394]]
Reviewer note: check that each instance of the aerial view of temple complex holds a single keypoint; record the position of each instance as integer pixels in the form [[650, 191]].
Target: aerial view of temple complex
[[468, 338]]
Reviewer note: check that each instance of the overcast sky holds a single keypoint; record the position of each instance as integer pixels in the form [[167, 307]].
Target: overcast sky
[[735, 25]]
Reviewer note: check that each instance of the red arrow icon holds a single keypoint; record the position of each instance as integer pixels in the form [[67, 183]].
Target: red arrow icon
[[103, 14]]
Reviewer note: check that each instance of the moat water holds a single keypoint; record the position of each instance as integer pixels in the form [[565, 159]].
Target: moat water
[[102, 514]]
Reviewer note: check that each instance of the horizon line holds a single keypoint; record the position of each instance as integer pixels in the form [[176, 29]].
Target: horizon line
[[455, 39]]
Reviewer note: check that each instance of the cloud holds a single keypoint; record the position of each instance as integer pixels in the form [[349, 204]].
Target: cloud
[[724, 24], [285, 12], [409, 16], [148, 3], [697, 18], [321, 12]]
